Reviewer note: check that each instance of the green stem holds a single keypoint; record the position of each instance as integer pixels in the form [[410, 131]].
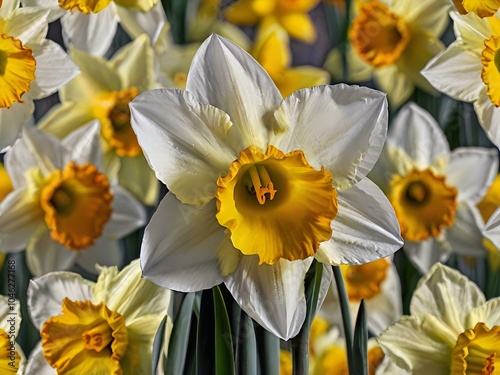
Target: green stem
[[269, 351]]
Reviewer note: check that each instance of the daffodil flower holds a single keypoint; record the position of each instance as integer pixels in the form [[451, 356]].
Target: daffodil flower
[[291, 14], [467, 70], [5, 183], [395, 40], [483, 8], [452, 329], [272, 51], [64, 209], [12, 360], [102, 92], [107, 327], [434, 191], [260, 185], [90, 25], [31, 67], [377, 283]]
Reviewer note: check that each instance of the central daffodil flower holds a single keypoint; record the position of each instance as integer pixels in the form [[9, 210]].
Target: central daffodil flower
[[260, 185]]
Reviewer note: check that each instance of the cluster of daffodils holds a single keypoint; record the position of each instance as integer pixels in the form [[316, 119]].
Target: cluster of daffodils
[[222, 156]]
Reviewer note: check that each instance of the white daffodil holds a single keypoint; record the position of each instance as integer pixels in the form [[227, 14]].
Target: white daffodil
[[434, 192], [377, 283], [395, 39], [467, 69], [12, 360], [451, 329], [63, 209], [31, 67], [102, 92], [90, 25], [260, 185], [107, 327]]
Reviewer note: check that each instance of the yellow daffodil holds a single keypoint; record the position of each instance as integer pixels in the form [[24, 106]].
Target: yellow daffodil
[[64, 209], [452, 329], [393, 41], [259, 185], [31, 67], [488, 208], [272, 51], [290, 14], [434, 191], [102, 92], [5, 183], [90, 25], [12, 360], [467, 70], [483, 8], [105, 327]]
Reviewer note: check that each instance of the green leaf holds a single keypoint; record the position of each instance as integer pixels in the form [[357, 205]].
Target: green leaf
[[248, 352], [268, 350], [176, 15], [179, 339], [224, 355], [158, 344], [360, 343]]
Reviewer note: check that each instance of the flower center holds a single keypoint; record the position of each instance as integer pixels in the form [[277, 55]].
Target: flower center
[[377, 35], [491, 68], [85, 339], [180, 79], [10, 358], [423, 203], [84, 6], [114, 114], [17, 70], [364, 281], [276, 205], [476, 350], [77, 204]]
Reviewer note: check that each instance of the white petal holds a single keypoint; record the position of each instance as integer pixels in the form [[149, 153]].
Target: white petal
[[225, 76], [64, 119], [134, 64], [10, 312], [418, 134], [365, 228], [488, 115], [273, 295], [492, 228], [395, 82], [104, 252], [447, 295], [8, 8], [135, 23], [37, 363], [54, 69], [471, 30], [84, 145], [136, 176], [46, 293], [187, 148], [414, 349], [128, 214], [342, 128], [44, 255], [426, 253], [45, 149], [180, 246], [27, 24], [456, 72], [116, 288], [427, 15], [472, 170], [488, 313], [13, 119], [92, 32], [20, 217]]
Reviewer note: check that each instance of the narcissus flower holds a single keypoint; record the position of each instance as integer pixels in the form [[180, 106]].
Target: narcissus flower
[[31, 67], [468, 69], [64, 209], [452, 329], [107, 327], [396, 40], [291, 14], [90, 25], [5, 183], [434, 192], [259, 185], [272, 51], [102, 92], [483, 8], [12, 360]]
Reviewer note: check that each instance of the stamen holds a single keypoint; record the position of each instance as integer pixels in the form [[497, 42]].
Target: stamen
[[489, 367], [261, 183], [98, 337]]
